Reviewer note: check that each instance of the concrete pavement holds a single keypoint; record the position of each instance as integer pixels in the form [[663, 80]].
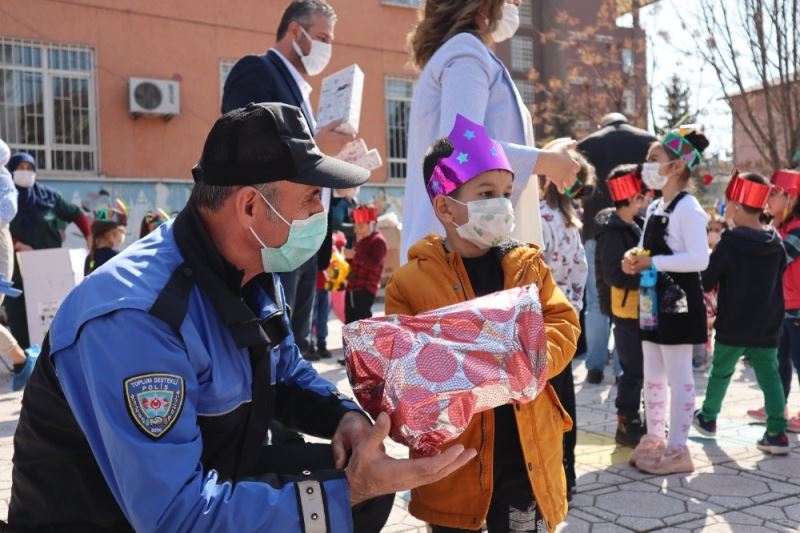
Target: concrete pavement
[[735, 487]]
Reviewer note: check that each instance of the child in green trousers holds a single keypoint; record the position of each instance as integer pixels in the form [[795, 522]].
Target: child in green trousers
[[747, 265]]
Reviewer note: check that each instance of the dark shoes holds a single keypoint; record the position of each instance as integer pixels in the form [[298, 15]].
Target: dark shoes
[[630, 430], [705, 427], [594, 376], [774, 444], [323, 352], [311, 355]]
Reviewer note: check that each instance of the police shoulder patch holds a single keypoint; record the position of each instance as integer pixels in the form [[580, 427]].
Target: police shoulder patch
[[154, 402]]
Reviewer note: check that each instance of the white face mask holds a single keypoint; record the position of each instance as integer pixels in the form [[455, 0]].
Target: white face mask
[[652, 177], [24, 178], [318, 56], [489, 222], [508, 25]]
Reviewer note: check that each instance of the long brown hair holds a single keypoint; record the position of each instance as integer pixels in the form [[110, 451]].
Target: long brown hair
[[439, 20]]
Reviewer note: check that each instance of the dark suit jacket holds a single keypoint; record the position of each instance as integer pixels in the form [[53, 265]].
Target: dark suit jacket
[[266, 79], [616, 144]]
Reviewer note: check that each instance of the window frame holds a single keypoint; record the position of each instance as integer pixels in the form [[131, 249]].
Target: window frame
[[522, 39], [389, 159], [48, 73]]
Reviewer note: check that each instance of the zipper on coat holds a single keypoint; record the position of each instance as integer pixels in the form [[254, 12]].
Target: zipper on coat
[[625, 297]]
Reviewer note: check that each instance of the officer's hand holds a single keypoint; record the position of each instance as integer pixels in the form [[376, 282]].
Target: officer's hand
[[331, 142], [353, 429], [372, 473]]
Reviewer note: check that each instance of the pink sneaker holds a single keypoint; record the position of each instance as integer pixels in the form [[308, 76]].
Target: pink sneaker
[[759, 415], [672, 461], [648, 446], [793, 424]]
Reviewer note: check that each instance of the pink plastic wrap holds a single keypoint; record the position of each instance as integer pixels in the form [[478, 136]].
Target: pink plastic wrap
[[433, 372]]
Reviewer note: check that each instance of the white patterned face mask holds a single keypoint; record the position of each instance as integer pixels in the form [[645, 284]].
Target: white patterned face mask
[[489, 222]]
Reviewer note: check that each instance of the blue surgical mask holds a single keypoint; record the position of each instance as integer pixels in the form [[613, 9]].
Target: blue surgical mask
[[305, 239]]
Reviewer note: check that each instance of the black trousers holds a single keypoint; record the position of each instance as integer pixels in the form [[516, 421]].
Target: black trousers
[[300, 288], [564, 386], [358, 305], [291, 459], [513, 507], [629, 347]]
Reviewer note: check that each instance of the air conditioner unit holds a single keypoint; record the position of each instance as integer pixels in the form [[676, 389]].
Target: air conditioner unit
[[151, 97]]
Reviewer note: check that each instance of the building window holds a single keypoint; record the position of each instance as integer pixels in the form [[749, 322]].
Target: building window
[[525, 88], [521, 53], [629, 101], [604, 39], [398, 106], [48, 105], [627, 60], [577, 80], [526, 14], [225, 66], [582, 125]]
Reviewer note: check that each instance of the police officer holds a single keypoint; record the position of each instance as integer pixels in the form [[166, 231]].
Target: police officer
[[149, 406]]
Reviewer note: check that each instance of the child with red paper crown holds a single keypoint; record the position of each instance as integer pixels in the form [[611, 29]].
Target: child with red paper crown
[[618, 230], [366, 266], [676, 251], [518, 474], [747, 265], [784, 207], [108, 235]]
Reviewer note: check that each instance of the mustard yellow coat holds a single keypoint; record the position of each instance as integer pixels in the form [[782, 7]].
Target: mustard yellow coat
[[435, 278]]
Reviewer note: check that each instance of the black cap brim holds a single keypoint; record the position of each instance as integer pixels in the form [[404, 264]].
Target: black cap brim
[[333, 173]]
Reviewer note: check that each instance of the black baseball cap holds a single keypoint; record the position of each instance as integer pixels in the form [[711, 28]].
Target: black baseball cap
[[267, 142]]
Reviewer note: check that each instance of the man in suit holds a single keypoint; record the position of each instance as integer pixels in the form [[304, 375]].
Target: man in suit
[[616, 142], [302, 49]]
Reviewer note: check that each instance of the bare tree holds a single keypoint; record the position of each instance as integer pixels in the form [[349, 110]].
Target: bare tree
[[747, 41], [606, 63]]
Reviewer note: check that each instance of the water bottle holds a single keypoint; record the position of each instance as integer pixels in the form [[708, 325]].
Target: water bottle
[[648, 299]]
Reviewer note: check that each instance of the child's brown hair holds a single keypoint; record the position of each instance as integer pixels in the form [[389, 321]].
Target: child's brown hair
[[562, 201]]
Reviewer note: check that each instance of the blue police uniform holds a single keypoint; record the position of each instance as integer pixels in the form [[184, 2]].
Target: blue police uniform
[[150, 408]]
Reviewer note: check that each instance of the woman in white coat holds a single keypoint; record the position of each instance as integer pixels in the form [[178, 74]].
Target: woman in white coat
[[461, 75]]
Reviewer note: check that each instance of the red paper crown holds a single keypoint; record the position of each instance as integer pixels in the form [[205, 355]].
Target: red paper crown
[[365, 214], [747, 192], [787, 181], [624, 187]]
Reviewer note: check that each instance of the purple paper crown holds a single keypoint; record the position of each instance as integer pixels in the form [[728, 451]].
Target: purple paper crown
[[474, 154]]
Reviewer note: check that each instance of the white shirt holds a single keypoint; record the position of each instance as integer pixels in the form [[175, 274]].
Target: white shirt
[[304, 86], [686, 236], [564, 253], [465, 77], [305, 90]]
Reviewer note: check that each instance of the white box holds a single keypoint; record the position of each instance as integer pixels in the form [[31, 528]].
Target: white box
[[340, 99], [352, 150], [47, 277], [371, 160]]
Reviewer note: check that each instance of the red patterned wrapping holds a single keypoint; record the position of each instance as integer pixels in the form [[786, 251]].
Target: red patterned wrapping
[[433, 372]]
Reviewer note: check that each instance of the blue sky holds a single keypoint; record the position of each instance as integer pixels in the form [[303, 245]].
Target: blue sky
[[668, 41]]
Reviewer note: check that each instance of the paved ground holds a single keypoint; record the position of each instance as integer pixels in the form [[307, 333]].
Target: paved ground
[[735, 487]]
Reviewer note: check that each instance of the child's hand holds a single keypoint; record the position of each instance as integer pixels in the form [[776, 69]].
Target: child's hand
[[349, 253]]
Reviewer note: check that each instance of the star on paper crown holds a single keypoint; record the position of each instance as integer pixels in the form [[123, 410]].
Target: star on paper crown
[[675, 142], [787, 181], [117, 214], [364, 214], [747, 192], [474, 153], [624, 187]]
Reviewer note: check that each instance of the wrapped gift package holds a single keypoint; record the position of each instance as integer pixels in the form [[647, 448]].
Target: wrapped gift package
[[340, 99], [432, 373], [356, 152]]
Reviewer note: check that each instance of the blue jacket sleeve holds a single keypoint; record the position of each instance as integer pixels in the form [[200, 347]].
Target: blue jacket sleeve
[[305, 400], [247, 82], [160, 483]]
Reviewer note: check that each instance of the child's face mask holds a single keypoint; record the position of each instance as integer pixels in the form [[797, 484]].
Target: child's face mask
[[489, 222]]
